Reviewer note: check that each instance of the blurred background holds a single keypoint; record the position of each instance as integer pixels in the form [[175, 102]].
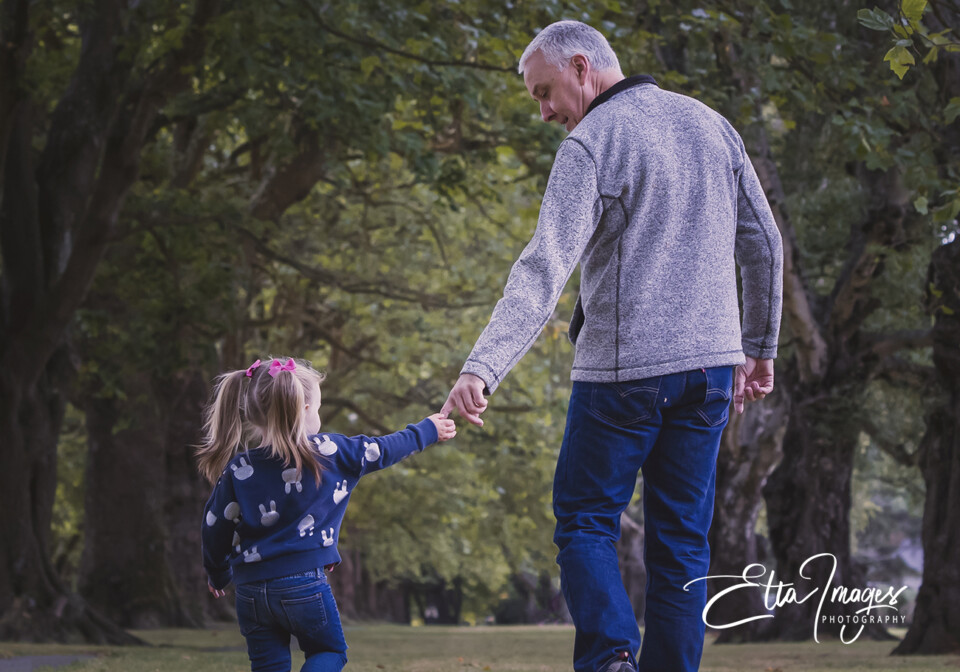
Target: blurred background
[[188, 186]]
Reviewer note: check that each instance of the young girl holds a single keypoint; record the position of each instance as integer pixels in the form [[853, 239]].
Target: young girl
[[273, 520]]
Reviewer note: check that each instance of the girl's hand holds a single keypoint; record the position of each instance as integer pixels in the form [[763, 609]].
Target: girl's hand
[[214, 591], [445, 427]]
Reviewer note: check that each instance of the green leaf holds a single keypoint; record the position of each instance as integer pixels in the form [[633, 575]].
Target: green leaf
[[913, 9], [952, 110], [921, 205], [875, 19], [900, 60], [368, 64], [941, 38], [931, 56]]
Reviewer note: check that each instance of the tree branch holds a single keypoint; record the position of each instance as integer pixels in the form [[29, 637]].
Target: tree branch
[[373, 44], [883, 345], [899, 371], [337, 344], [125, 127], [290, 183], [346, 403], [851, 302], [15, 47], [385, 288]]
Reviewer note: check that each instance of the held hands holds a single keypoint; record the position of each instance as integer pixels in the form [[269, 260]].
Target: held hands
[[467, 397], [752, 381], [445, 428]]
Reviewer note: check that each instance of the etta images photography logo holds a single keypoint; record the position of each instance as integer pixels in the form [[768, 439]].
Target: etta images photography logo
[[879, 606]]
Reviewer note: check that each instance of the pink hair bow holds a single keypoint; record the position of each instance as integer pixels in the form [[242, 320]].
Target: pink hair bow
[[251, 368], [276, 367]]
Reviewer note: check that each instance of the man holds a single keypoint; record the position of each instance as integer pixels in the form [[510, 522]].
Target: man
[[654, 195]]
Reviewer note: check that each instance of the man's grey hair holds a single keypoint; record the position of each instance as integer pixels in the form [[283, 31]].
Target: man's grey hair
[[561, 41]]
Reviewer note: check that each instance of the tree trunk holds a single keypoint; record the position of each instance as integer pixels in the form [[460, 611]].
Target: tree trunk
[[808, 511], [360, 598], [56, 215], [124, 553], [183, 398], [442, 603], [34, 605], [936, 620], [749, 451]]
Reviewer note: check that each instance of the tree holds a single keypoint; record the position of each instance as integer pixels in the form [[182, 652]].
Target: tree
[[935, 621], [59, 208]]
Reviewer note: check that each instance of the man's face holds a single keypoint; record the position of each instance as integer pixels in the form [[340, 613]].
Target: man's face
[[562, 94]]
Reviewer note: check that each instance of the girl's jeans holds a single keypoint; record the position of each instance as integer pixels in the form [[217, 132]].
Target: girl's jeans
[[301, 605], [669, 427]]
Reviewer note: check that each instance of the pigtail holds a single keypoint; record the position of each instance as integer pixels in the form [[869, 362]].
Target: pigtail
[[222, 426], [286, 422]]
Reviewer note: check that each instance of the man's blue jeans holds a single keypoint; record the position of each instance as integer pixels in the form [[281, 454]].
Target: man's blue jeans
[[669, 426], [302, 605]]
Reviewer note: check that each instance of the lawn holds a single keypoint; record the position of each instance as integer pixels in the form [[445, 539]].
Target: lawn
[[392, 648]]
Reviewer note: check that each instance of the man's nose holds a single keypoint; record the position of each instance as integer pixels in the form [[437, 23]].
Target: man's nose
[[545, 110]]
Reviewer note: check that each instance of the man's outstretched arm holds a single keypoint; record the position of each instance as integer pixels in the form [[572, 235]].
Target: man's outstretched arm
[[569, 215]]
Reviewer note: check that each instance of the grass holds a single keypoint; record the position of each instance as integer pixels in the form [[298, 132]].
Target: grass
[[394, 648]]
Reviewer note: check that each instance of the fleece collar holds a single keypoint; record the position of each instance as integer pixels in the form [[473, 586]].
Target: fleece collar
[[622, 85]]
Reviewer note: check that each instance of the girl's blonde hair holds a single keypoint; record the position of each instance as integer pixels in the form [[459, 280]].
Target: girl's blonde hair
[[261, 407]]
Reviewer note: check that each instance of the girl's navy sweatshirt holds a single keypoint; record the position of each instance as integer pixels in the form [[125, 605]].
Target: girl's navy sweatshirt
[[263, 521]]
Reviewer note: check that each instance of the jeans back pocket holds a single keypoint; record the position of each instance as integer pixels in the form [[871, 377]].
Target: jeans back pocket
[[305, 612], [715, 409], [246, 612], [625, 404]]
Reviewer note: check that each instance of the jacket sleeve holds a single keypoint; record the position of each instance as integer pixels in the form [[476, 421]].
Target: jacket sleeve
[[759, 253], [360, 455], [569, 215], [220, 517]]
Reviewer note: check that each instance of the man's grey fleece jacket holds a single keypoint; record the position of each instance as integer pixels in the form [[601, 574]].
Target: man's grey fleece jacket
[[654, 195]]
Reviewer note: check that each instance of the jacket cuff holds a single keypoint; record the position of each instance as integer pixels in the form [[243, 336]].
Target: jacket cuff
[[221, 580], [484, 373], [428, 431], [759, 351]]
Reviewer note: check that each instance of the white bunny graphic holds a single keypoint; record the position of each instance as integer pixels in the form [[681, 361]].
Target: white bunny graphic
[[371, 452], [325, 447], [243, 472], [291, 479], [268, 518], [232, 512], [306, 526], [340, 492]]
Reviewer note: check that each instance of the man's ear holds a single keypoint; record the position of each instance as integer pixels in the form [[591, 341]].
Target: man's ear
[[581, 65]]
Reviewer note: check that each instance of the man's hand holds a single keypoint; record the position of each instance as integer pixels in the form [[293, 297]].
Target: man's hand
[[753, 381], [216, 592], [467, 397], [445, 428]]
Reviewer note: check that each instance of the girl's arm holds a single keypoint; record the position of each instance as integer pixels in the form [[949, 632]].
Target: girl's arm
[[361, 455], [220, 518]]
